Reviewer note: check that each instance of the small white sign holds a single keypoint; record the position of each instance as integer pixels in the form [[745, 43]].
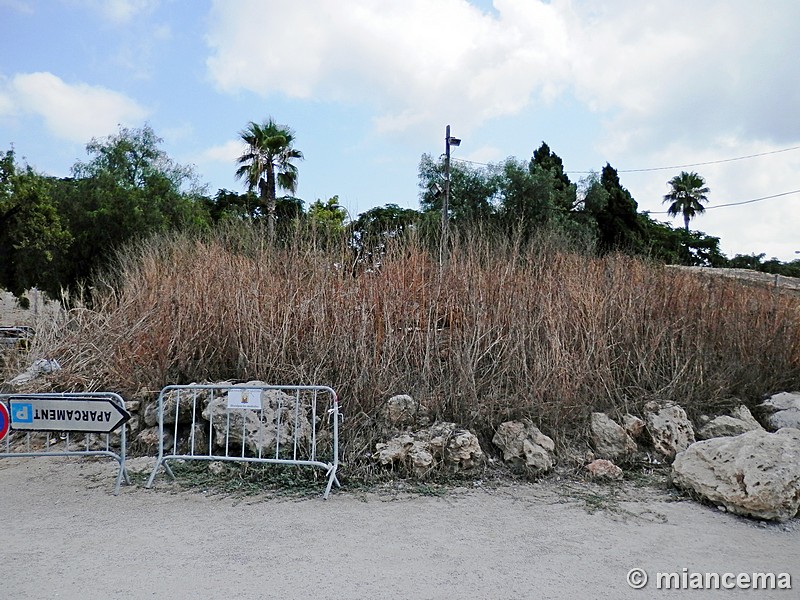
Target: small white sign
[[244, 398]]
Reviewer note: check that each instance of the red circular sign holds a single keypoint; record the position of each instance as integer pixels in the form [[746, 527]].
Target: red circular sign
[[5, 420]]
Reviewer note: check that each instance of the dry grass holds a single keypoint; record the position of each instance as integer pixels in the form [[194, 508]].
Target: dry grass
[[504, 331]]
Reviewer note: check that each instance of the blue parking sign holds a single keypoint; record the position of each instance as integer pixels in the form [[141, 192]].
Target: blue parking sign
[[22, 413]]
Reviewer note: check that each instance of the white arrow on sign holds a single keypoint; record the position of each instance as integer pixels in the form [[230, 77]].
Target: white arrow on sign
[[90, 415]]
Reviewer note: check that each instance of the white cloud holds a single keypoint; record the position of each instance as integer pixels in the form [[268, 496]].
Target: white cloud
[[220, 160], [672, 68], [6, 105], [21, 6], [485, 154], [177, 133], [684, 70], [75, 112], [412, 60], [227, 152], [121, 11]]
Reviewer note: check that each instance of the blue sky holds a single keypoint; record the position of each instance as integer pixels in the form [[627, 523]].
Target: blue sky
[[368, 86]]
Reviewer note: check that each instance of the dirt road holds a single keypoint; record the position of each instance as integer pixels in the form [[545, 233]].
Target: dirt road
[[63, 535]]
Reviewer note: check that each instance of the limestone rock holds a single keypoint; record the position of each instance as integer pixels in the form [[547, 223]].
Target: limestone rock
[[262, 432], [404, 411], [781, 410], [404, 450], [740, 421], [442, 444], [182, 402], [394, 450], [633, 426], [524, 446], [609, 439], [134, 425], [782, 401], [150, 414], [604, 469], [785, 418], [742, 413], [457, 448], [669, 428], [755, 474], [149, 439], [421, 459], [193, 440], [216, 467]]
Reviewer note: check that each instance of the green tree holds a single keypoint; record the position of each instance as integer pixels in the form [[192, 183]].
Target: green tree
[[375, 228], [32, 235], [776, 267], [128, 188], [384, 222], [678, 246], [327, 217], [325, 224], [527, 196], [687, 193], [592, 199], [617, 221], [545, 159], [267, 164], [747, 261], [226, 204], [538, 194], [288, 209], [472, 190]]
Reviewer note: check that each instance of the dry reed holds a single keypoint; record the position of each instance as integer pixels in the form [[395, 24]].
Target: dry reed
[[504, 331]]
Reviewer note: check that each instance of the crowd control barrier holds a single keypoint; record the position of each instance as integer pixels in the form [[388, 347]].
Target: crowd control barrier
[[282, 425]]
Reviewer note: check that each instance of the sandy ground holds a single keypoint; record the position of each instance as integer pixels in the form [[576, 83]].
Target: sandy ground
[[64, 535]]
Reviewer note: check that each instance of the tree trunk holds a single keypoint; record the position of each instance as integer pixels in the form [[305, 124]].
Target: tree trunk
[[270, 202]]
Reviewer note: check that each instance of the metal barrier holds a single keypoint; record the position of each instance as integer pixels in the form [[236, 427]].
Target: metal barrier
[[52, 424], [286, 425]]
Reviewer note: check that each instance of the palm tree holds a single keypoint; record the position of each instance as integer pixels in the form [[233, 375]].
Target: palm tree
[[267, 165], [687, 195]]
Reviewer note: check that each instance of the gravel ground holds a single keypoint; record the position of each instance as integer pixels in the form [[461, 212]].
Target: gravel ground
[[65, 535]]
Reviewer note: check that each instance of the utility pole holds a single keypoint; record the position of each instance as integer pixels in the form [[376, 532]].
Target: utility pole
[[446, 201], [448, 141]]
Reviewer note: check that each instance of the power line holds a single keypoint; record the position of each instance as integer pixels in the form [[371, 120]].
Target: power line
[[664, 212], [650, 169], [472, 162], [710, 162]]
